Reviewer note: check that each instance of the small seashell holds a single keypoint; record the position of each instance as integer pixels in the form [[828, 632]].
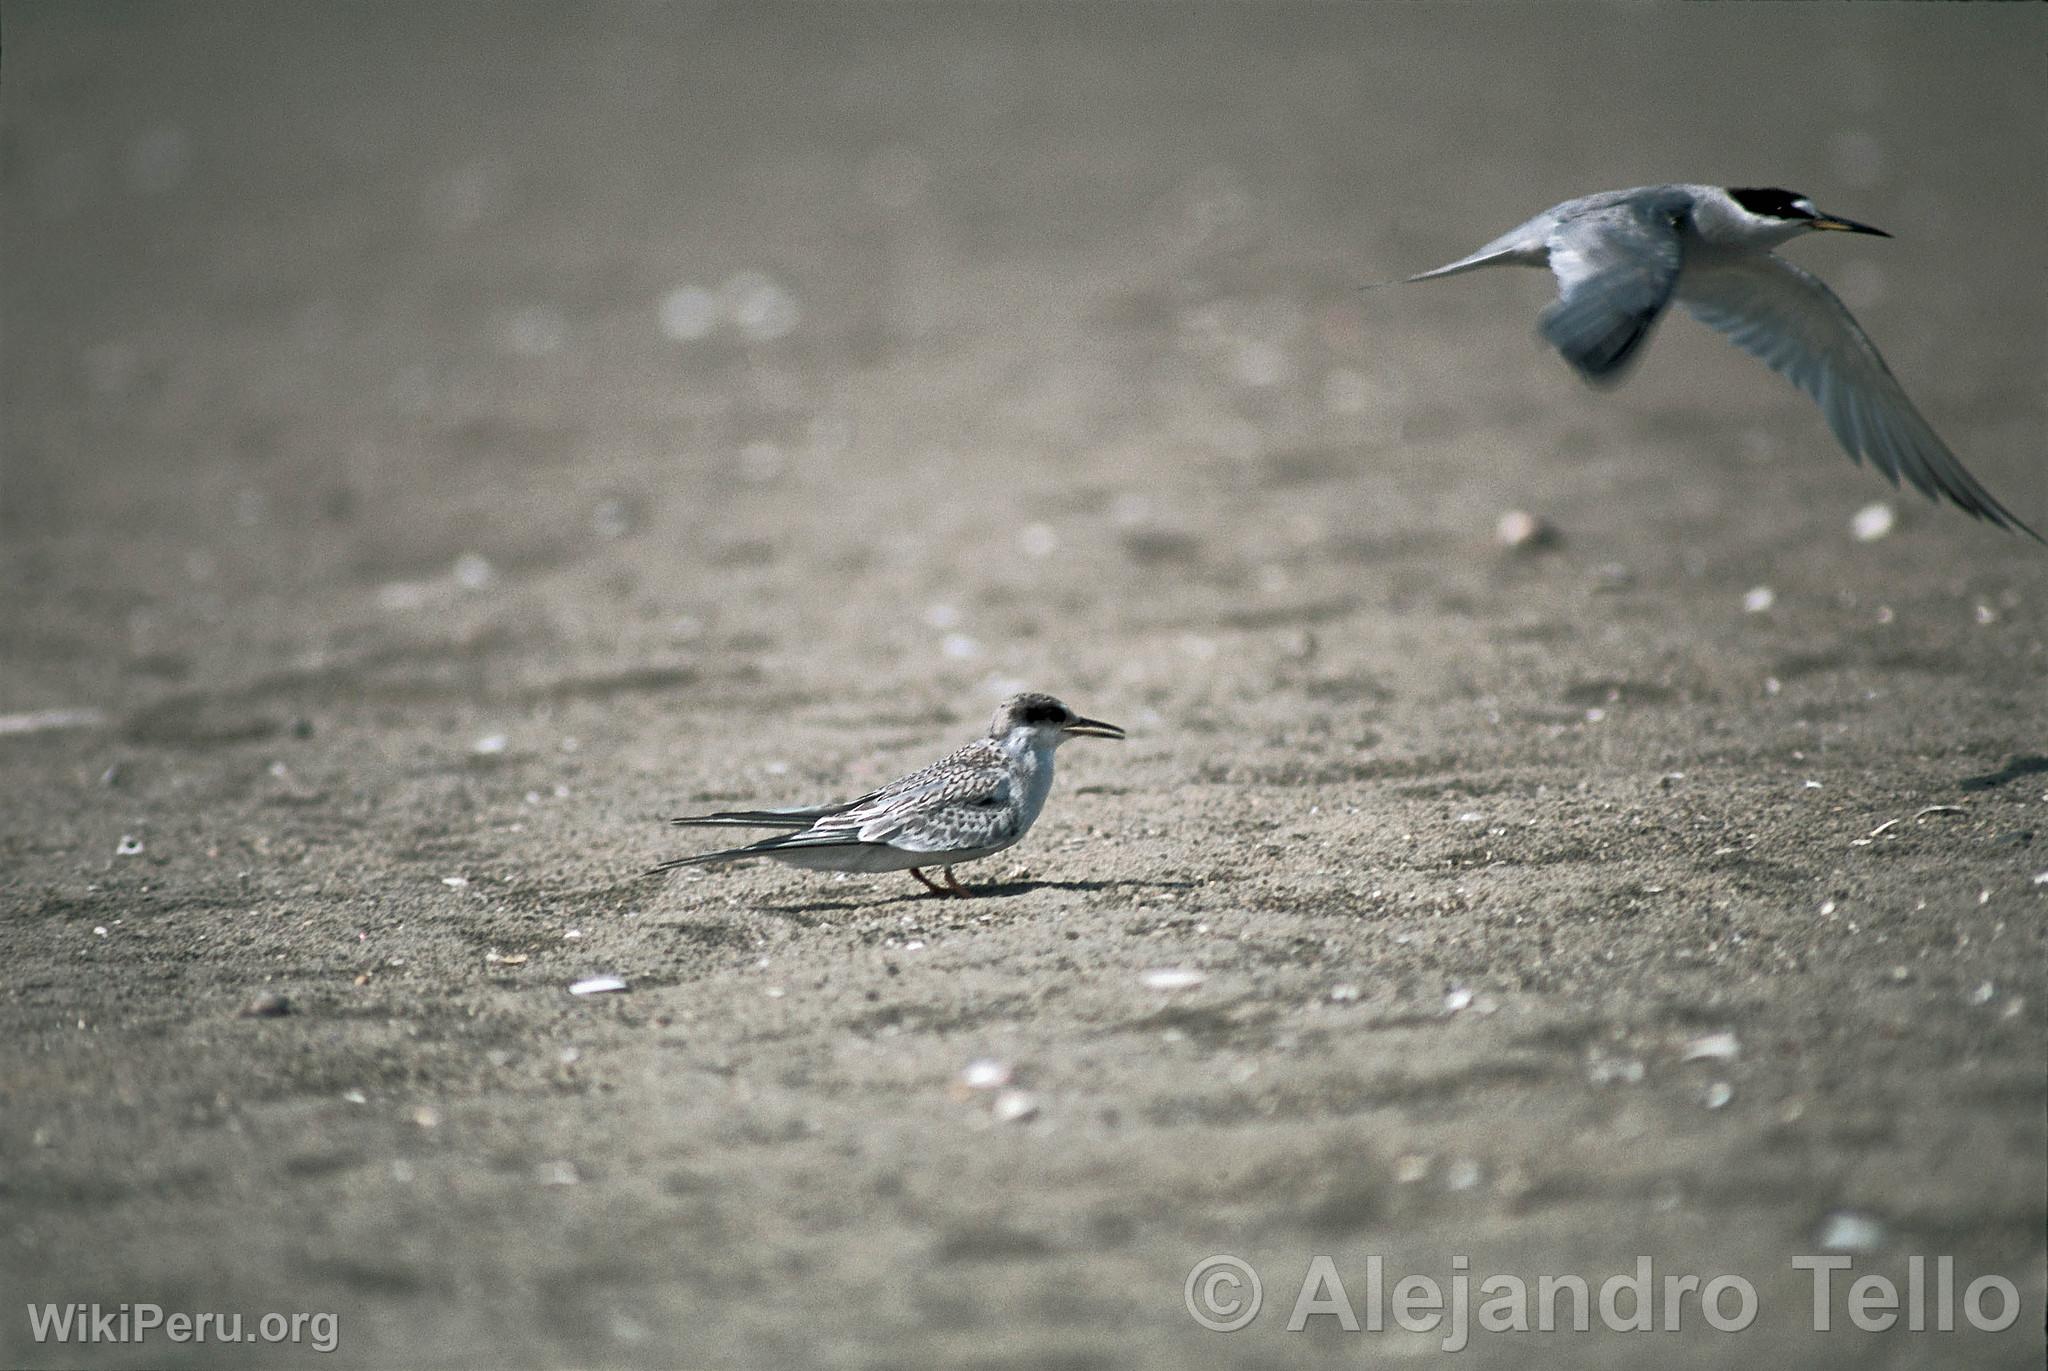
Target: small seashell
[[1873, 522], [597, 985], [1521, 531], [1713, 1047], [1847, 1231], [985, 1073], [1015, 1106]]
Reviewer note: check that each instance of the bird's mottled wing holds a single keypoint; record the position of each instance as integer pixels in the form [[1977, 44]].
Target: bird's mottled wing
[[805, 816], [964, 802], [1616, 266], [1786, 318], [981, 754]]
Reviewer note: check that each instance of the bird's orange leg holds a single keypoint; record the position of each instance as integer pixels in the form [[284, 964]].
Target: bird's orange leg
[[953, 885], [928, 883]]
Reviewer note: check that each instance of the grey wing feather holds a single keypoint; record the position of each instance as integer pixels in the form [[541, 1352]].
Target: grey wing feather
[[1616, 268], [957, 807], [961, 803], [802, 816], [1791, 322], [809, 837]]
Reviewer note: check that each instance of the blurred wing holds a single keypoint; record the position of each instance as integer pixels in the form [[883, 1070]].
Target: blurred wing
[[1615, 268], [1787, 319]]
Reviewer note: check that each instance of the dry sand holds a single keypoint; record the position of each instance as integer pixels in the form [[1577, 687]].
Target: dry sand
[[442, 441]]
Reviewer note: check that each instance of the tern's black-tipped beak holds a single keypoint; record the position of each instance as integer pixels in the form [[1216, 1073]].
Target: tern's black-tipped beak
[[1830, 221], [1092, 728]]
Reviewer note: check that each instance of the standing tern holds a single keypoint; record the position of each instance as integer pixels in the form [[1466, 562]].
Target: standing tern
[[1621, 256], [971, 804]]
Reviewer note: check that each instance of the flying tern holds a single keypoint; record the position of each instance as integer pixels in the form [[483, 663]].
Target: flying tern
[[1622, 256]]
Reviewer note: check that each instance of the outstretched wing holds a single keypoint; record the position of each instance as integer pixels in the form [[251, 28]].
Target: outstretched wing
[[1787, 319], [1616, 267]]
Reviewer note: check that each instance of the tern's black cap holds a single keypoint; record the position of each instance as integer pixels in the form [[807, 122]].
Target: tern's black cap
[[1038, 709], [1772, 202]]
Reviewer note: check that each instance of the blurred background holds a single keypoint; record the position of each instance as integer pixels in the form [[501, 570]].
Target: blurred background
[[355, 308]]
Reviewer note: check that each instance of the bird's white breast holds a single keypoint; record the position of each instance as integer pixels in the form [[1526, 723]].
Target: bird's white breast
[[1034, 778]]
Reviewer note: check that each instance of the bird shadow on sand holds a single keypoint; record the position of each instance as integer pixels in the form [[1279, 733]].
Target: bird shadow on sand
[[1006, 889], [2016, 766], [1000, 891]]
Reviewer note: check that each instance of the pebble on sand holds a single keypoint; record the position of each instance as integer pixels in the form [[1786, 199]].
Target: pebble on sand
[[1015, 1106], [985, 1073], [1848, 1231], [268, 1005], [1521, 531], [597, 985], [473, 571], [1171, 978], [1873, 522], [1605, 1070]]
